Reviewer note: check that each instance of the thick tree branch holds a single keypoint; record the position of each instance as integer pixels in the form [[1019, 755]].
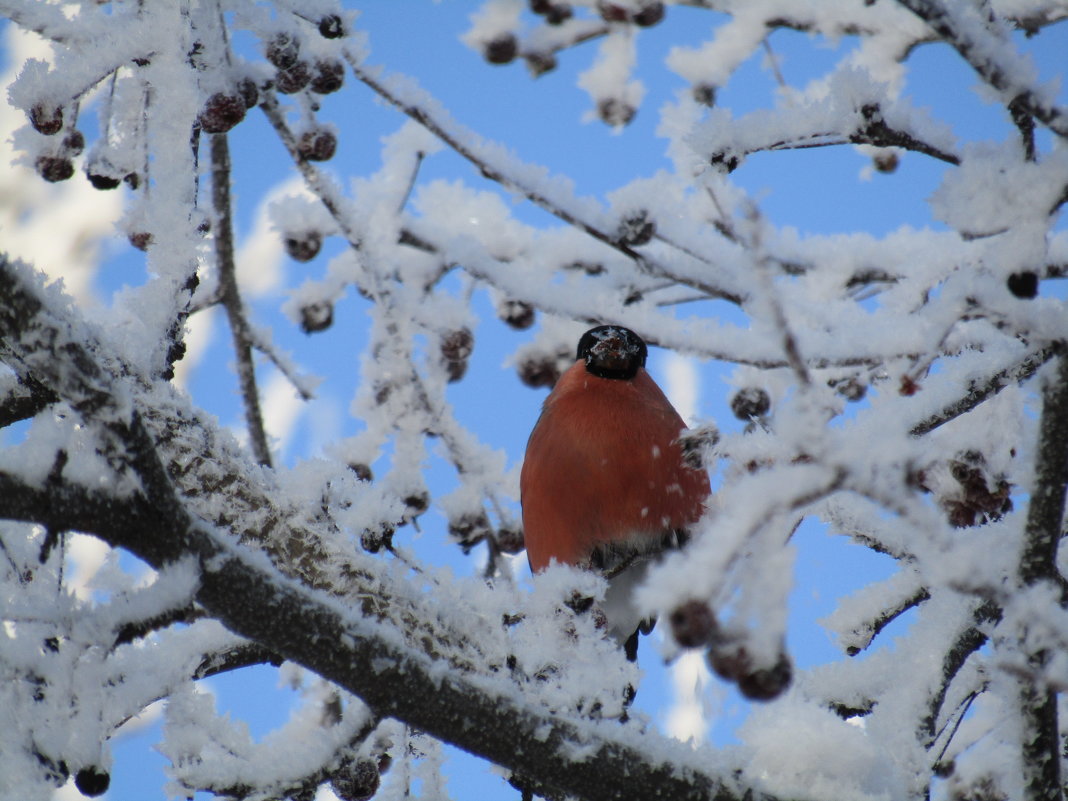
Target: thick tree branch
[[1045, 515]]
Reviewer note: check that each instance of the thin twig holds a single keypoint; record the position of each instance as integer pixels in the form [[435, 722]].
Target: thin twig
[[231, 297]]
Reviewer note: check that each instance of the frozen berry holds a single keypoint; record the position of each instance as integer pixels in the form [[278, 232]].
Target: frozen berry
[[636, 229], [1023, 285], [222, 112], [292, 80], [101, 180], [331, 27], [46, 119], [356, 781], [517, 314], [540, 63], [539, 372], [329, 76], [74, 142], [417, 502], [362, 471], [705, 94], [456, 348], [615, 112], [470, 528], [54, 168], [693, 625], [315, 317], [649, 14], [612, 12], [282, 50], [141, 239], [250, 93], [510, 540], [501, 49], [750, 402], [132, 179], [767, 683], [318, 144], [303, 245], [558, 14], [92, 781], [374, 541], [885, 161], [696, 443]]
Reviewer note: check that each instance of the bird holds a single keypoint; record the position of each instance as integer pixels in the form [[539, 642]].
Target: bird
[[605, 484]]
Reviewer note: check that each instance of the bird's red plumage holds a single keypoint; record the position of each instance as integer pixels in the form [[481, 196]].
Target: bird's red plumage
[[602, 466]]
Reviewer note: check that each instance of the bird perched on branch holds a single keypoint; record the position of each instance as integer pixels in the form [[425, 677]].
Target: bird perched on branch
[[605, 485]]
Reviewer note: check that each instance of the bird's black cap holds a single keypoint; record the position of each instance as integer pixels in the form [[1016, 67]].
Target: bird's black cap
[[612, 351]]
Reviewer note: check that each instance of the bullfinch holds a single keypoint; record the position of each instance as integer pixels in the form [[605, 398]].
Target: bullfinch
[[604, 484]]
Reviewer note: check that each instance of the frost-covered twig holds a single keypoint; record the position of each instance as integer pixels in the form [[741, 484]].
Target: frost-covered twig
[[461, 140], [1041, 740], [230, 296], [991, 57], [977, 392]]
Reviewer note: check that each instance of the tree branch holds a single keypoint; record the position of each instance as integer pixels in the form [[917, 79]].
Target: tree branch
[[1045, 515], [230, 297]]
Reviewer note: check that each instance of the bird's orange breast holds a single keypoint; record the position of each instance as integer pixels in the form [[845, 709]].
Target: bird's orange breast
[[602, 465]]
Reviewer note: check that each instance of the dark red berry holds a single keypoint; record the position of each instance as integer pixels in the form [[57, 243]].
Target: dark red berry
[[612, 12], [705, 94], [46, 119], [539, 372], [649, 14], [100, 180], [517, 314], [693, 625], [470, 528], [222, 112], [417, 503], [767, 683], [315, 317], [141, 239], [501, 49], [1023, 285], [331, 27], [540, 63], [362, 471], [318, 144], [540, 6], [615, 112], [636, 229], [303, 246], [885, 161], [74, 142], [558, 14], [292, 80], [54, 168], [282, 50], [92, 781], [373, 541], [250, 93], [456, 348], [356, 781], [329, 76], [510, 540], [750, 402]]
